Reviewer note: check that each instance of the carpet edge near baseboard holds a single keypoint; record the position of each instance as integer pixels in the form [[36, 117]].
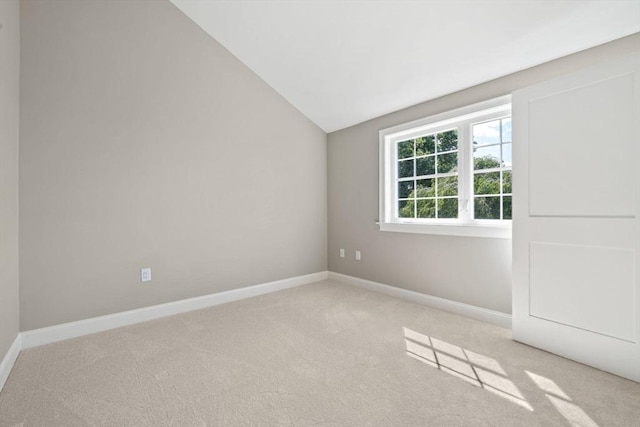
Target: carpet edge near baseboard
[[474, 312], [51, 334], [6, 365], [64, 331]]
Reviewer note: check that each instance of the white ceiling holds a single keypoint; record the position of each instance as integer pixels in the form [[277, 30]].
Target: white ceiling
[[344, 62]]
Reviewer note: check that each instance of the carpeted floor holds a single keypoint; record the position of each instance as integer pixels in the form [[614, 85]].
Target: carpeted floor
[[324, 354]]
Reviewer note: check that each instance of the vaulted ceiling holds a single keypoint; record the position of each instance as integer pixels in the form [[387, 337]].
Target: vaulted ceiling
[[344, 62]]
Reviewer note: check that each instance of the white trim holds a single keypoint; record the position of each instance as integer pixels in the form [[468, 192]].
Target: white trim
[[478, 313], [9, 360], [460, 119], [492, 106], [498, 231], [65, 331]]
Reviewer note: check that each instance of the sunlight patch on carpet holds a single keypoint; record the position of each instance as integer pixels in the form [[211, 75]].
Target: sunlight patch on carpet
[[474, 368], [574, 414]]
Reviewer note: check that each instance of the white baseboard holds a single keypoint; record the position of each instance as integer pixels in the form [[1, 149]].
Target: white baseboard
[[467, 310], [9, 359], [65, 331]]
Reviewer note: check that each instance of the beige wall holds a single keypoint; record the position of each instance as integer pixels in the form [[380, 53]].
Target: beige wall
[[470, 270], [144, 143], [9, 83]]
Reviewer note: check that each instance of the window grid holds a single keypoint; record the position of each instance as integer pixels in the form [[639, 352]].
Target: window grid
[[417, 205], [484, 201]]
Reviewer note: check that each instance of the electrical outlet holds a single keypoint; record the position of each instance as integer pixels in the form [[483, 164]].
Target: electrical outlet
[[145, 275], [341, 253], [358, 256]]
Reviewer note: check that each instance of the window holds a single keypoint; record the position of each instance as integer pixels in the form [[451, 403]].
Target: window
[[449, 174], [492, 169]]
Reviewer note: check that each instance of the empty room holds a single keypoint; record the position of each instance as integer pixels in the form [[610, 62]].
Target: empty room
[[319, 213]]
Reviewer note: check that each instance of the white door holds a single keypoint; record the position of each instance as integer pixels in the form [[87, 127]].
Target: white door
[[576, 223]]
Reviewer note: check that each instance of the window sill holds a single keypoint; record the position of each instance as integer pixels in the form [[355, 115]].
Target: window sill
[[494, 231]]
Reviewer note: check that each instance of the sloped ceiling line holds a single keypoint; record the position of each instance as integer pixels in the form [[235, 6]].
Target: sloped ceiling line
[[344, 62]]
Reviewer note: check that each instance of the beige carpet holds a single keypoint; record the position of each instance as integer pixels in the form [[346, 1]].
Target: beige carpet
[[324, 354]]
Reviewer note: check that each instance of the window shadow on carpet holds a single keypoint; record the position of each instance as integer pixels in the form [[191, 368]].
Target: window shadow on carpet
[[487, 373]]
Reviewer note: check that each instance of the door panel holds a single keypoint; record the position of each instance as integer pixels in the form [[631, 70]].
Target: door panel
[[560, 159], [576, 227], [608, 273]]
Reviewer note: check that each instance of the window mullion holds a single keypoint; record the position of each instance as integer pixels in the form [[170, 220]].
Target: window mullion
[[393, 151], [465, 176]]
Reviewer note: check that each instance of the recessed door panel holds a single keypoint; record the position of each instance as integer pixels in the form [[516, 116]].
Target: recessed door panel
[[581, 286], [582, 163]]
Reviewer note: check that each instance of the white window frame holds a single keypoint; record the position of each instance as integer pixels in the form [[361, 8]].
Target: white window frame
[[461, 119]]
